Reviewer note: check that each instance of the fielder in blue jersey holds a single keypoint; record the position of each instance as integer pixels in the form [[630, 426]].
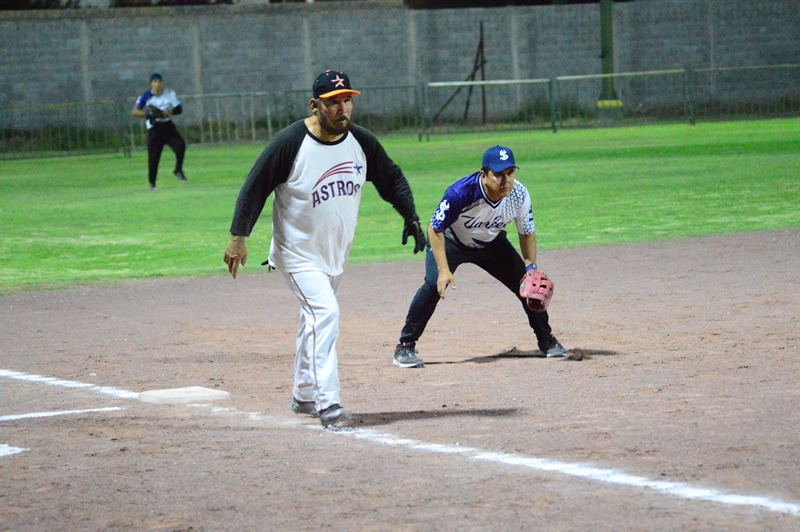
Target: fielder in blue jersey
[[469, 227], [158, 105]]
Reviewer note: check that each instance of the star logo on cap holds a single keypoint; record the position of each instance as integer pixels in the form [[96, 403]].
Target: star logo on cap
[[339, 81]]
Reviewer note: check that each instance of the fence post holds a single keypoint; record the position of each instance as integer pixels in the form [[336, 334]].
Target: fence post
[[688, 94], [269, 120], [202, 100], [551, 96], [121, 113], [425, 113], [252, 100]]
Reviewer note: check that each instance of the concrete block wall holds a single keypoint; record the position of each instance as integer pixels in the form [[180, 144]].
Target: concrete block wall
[[710, 34], [90, 55]]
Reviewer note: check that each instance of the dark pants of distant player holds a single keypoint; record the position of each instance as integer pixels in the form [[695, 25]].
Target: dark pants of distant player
[[158, 136], [499, 259]]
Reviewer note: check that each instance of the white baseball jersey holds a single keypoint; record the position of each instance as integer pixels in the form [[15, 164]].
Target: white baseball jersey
[[314, 213], [168, 100], [467, 217], [317, 193]]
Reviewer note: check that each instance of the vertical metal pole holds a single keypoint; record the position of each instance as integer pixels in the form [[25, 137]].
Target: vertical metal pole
[[202, 101], [483, 76], [424, 112], [218, 125], [687, 95], [551, 94], [122, 130], [230, 124], [253, 117], [607, 48], [272, 107], [269, 118]]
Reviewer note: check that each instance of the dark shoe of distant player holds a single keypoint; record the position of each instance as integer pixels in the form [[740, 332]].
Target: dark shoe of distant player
[[405, 356], [334, 415], [554, 349], [304, 407], [181, 176]]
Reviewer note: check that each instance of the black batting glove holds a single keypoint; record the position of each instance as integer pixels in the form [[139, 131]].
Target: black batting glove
[[412, 228]]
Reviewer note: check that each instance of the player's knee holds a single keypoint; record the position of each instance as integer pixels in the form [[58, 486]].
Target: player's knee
[[328, 315]]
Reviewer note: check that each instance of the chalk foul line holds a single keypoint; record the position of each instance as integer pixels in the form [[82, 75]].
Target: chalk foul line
[[7, 450], [31, 415], [52, 381], [579, 470]]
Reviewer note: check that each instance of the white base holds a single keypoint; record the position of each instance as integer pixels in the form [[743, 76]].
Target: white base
[[191, 394]]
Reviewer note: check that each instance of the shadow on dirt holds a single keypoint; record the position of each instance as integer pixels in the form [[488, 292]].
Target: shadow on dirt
[[575, 355], [386, 418]]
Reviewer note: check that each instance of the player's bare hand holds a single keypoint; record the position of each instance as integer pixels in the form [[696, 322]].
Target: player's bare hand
[[235, 254], [445, 279]]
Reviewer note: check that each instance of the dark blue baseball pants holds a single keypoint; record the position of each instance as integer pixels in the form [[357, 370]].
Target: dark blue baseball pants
[[160, 135], [499, 259]]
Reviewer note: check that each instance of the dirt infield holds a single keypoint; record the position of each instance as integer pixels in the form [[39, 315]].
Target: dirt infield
[[683, 413]]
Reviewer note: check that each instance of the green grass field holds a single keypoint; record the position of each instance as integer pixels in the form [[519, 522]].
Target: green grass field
[[87, 219]]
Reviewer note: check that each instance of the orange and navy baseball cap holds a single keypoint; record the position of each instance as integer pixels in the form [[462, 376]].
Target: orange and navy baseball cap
[[331, 83]]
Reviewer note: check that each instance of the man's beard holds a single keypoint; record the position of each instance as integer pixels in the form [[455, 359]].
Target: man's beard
[[334, 128]]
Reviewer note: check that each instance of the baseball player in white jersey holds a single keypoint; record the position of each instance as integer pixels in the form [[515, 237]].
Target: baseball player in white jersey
[[157, 105], [469, 227], [316, 169]]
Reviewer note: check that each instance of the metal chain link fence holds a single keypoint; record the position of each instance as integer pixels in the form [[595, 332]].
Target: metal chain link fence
[[561, 102], [638, 98]]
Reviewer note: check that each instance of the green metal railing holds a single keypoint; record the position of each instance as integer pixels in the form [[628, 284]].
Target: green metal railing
[[679, 95], [641, 97]]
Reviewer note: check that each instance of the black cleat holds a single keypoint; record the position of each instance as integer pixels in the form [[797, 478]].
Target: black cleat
[[333, 415], [554, 349], [405, 356], [304, 407]]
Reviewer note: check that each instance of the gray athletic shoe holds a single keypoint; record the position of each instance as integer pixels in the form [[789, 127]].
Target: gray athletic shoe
[[181, 176], [554, 349], [304, 407], [334, 415], [405, 356]]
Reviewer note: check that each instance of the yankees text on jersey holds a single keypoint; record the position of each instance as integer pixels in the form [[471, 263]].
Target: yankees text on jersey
[[467, 217]]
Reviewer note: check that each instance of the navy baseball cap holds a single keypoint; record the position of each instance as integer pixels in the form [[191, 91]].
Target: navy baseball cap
[[154, 76], [498, 158], [330, 83]]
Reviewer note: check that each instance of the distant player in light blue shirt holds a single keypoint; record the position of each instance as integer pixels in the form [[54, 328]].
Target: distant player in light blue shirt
[[469, 226]]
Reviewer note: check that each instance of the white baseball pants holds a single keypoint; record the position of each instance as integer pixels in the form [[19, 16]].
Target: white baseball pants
[[316, 365]]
